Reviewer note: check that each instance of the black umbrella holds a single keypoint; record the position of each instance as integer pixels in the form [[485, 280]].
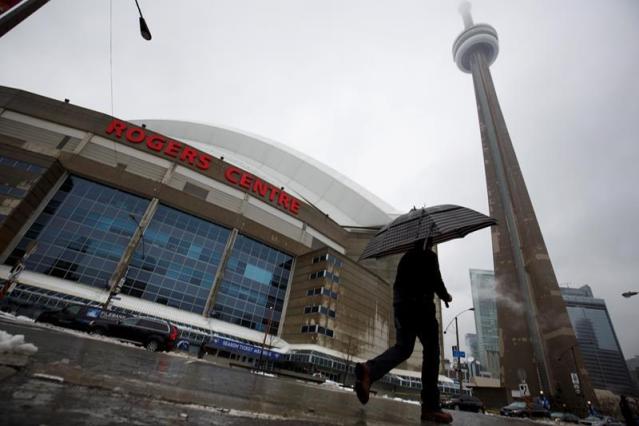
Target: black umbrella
[[441, 223]]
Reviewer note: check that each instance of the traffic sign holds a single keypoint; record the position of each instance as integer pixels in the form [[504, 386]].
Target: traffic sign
[[459, 354], [575, 382], [523, 389]]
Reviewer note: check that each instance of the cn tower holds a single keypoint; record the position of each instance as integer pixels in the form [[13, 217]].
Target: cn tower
[[538, 346]]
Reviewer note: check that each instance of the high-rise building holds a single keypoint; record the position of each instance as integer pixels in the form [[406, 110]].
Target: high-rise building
[[633, 366], [597, 340], [472, 345], [482, 284], [533, 321]]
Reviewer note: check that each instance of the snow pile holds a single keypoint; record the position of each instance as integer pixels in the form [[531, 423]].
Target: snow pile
[[263, 373], [337, 386], [406, 401], [22, 318], [15, 344]]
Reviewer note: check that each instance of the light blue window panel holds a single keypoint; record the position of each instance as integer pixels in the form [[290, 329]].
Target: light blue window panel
[[258, 274]]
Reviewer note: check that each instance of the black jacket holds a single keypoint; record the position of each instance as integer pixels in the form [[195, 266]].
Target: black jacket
[[418, 278]]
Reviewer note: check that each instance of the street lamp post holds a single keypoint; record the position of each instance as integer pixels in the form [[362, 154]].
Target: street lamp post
[[268, 326], [629, 294], [459, 371]]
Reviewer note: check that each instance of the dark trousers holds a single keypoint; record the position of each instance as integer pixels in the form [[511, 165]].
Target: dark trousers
[[413, 322]]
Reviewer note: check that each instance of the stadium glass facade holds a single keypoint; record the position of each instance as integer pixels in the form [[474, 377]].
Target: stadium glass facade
[[176, 261], [82, 232], [255, 281]]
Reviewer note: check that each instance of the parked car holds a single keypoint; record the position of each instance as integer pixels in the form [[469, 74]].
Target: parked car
[[559, 416], [600, 421], [77, 317], [523, 409], [465, 403], [154, 334]]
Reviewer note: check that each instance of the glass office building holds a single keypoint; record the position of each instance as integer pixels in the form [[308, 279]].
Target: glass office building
[[597, 340], [482, 284]]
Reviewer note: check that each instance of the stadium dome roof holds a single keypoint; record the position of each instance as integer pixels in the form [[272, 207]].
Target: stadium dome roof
[[346, 202]]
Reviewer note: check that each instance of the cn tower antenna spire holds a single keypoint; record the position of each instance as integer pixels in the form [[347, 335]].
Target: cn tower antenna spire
[[464, 10]]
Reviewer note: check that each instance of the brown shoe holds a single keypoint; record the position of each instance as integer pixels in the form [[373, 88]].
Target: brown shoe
[[363, 382], [437, 416]]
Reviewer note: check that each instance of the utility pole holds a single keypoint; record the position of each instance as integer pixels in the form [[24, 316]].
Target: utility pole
[[459, 356], [268, 326], [459, 371]]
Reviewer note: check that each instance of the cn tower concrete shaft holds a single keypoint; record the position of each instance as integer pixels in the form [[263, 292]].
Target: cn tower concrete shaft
[[536, 336]]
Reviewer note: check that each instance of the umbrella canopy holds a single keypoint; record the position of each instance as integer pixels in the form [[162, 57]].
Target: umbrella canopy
[[441, 223]]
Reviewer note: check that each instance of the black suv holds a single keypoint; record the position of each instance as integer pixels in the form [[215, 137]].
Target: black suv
[[465, 403], [153, 334], [78, 317]]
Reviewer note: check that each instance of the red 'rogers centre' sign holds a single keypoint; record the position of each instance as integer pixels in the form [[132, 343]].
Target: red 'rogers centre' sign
[[168, 147], [188, 155], [262, 189]]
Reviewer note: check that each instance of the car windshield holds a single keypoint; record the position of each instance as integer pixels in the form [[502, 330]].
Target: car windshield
[[517, 405], [72, 309]]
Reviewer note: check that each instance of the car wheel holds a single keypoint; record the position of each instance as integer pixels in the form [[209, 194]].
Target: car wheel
[[98, 331], [152, 345]]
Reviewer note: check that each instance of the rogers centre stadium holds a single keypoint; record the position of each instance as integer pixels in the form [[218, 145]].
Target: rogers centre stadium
[[235, 239]]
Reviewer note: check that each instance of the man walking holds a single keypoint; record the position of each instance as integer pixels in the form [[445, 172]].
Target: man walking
[[418, 280]]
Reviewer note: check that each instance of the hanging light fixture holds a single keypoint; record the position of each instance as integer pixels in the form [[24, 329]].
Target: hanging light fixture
[[144, 28]]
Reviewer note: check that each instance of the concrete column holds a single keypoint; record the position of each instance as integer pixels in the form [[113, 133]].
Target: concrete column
[[36, 213], [286, 297], [123, 264], [217, 280]]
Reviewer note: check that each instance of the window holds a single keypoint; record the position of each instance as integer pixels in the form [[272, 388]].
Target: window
[[254, 286], [129, 322], [21, 165], [318, 329], [12, 191], [73, 310], [176, 262], [318, 274], [332, 276], [82, 232], [328, 258], [321, 309], [153, 324], [323, 291]]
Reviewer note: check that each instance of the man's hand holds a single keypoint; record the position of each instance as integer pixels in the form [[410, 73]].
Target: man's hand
[[447, 299]]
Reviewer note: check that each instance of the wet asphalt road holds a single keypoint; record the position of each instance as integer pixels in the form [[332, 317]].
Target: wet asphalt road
[[109, 383]]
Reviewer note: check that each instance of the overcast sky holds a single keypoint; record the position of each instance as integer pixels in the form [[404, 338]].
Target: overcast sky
[[370, 88]]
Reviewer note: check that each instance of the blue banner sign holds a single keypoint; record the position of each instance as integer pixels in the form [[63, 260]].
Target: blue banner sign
[[459, 354], [243, 348]]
